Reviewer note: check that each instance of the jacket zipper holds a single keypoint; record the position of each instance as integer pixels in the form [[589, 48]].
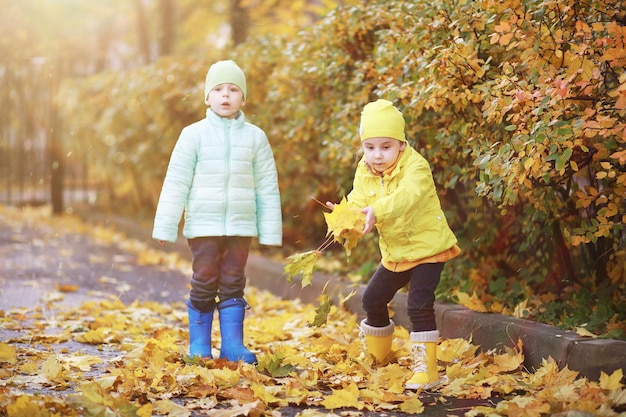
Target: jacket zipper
[[382, 193], [226, 174]]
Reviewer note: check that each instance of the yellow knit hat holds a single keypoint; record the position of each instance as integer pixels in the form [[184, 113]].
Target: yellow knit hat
[[381, 119], [223, 72]]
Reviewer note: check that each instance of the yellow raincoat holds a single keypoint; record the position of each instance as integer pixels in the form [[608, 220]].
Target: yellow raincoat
[[411, 225]]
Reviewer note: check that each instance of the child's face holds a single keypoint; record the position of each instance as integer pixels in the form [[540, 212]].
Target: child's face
[[226, 100], [381, 153]]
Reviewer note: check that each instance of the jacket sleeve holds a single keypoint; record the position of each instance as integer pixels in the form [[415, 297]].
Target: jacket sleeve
[[356, 196], [269, 214], [175, 191]]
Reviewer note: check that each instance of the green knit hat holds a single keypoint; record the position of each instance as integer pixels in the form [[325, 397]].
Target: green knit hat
[[223, 72]]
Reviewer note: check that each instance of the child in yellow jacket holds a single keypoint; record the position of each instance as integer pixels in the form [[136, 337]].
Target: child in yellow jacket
[[394, 188]]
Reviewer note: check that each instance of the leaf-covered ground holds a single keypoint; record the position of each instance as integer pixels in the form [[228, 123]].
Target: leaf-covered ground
[[105, 357]]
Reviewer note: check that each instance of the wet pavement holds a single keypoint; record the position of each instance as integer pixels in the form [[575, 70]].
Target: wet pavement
[[41, 261]]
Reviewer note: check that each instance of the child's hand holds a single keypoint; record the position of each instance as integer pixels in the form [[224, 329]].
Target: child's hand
[[370, 219], [330, 205]]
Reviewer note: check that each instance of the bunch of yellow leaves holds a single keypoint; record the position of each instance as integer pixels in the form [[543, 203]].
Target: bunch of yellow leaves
[[345, 226]]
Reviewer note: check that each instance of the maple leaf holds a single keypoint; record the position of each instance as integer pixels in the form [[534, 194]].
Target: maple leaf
[[345, 223], [265, 393], [618, 397], [145, 410], [95, 400], [451, 350], [7, 354], [97, 336], [170, 408], [250, 409], [581, 331], [613, 381], [24, 406], [480, 410], [346, 397], [473, 302], [272, 364], [83, 362], [412, 406], [52, 368], [302, 264], [523, 406], [321, 313], [392, 377], [511, 360]]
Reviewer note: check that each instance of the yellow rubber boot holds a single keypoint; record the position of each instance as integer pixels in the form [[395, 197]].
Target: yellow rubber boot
[[378, 339], [424, 351]]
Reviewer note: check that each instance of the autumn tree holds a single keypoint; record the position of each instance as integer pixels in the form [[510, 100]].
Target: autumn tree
[[519, 107]]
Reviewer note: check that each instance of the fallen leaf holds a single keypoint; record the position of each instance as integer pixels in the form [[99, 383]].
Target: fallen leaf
[[581, 331], [347, 396], [613, 381], [7, 354], [472, 302], [67, 287]]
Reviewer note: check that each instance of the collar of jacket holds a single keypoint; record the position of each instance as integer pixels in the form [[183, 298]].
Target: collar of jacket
[[216, 120]]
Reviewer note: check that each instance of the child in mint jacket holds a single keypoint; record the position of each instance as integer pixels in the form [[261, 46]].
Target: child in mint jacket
[[222, 176], [393, 186]]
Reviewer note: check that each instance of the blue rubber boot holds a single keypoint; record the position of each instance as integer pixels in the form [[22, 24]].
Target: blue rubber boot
[[200, 325], [231, 328]]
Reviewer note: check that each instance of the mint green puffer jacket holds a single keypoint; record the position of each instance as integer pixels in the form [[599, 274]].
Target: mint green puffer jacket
[[222, 175]]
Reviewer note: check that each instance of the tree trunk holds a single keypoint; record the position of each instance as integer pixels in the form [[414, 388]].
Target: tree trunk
[[566, 271], [167, 29], [143, 32], [239, 22], [56, 156]]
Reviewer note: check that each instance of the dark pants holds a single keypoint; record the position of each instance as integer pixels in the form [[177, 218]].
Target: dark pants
[[218, 265], [421, 300]]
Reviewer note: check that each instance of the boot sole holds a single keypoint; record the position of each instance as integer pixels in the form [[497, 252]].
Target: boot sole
[[429, 385]]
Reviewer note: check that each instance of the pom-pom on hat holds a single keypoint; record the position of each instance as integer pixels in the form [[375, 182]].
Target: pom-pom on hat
[[381, 119], [223, 72]]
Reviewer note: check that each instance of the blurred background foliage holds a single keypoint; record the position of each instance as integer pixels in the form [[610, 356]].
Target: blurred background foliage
[[520, 106]]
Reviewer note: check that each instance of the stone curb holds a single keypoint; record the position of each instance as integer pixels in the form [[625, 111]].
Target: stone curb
[[490, 331], [589, 357]]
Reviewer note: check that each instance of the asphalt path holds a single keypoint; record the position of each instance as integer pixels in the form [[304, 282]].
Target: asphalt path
[[38, 258]]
